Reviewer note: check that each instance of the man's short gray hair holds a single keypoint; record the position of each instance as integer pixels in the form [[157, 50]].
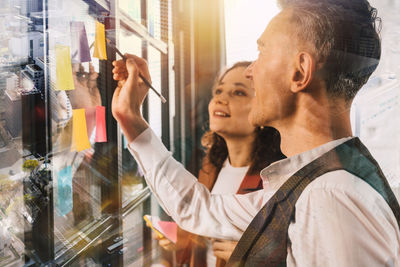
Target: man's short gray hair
[[346, 39]]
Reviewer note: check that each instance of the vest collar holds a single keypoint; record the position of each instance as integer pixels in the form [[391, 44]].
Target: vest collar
[[278, 172]]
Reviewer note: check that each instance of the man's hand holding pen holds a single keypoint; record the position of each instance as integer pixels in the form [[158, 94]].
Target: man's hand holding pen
[[130, 94], [148, 83]]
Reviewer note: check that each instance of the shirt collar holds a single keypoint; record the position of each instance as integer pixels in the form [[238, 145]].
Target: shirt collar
[[278, 172]]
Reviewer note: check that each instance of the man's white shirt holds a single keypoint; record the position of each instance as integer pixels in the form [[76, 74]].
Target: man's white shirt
[[340, 219]]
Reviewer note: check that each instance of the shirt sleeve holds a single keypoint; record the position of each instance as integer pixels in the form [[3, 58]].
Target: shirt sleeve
[[342, 221], [188, 202]]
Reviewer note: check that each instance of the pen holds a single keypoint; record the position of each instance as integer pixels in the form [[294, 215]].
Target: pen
[[163, 100]]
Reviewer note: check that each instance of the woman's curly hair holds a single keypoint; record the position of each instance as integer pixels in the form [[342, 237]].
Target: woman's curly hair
[[266, 149], [266, 146]]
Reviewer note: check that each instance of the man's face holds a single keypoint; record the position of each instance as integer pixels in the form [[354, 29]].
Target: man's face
[[270, 73]]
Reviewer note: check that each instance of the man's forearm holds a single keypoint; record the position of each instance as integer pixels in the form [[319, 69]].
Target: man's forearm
[[133, 128], [188, 202]]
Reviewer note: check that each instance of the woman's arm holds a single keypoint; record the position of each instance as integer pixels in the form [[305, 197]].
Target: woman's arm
[[223, 248]]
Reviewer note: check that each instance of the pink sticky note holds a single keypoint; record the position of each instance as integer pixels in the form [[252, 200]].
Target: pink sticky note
[[169, 229], [101, 131]]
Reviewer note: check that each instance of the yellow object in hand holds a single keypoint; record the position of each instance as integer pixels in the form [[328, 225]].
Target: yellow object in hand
[[149, 224]]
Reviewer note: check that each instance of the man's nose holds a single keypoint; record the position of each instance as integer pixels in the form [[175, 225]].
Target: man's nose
[[248, 72]]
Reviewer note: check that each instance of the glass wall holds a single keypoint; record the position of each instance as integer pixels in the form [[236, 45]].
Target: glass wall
[[241, 43], [71, 193], [375, 110], [24, 179]]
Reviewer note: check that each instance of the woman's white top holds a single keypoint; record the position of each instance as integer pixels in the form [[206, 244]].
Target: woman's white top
[[228, 182], [229, 179]]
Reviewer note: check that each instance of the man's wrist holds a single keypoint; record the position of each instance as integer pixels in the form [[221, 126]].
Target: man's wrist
[[133, 127]]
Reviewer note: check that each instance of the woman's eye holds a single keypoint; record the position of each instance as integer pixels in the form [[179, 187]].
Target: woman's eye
[[239, 93], [217, 91]]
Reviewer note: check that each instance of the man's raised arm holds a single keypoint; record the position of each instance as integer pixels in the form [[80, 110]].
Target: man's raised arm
[[188, 202]]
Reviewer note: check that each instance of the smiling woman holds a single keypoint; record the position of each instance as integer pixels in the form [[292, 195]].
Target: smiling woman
[[230, 130], [231, 104]]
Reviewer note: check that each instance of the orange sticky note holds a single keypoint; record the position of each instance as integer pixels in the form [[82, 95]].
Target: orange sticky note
[[100, 51], [64, 68], [80, 140], [101, 132]]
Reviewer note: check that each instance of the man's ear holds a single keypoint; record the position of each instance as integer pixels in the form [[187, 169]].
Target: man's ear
[[303, 72]]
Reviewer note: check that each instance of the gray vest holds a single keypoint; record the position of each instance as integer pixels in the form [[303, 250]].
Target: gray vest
[[265, 241]]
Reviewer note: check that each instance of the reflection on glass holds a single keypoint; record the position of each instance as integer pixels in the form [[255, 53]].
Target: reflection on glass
[[23, 177], [78, 218], [153, 18], [154, 61], [130, 43], [131, 8]]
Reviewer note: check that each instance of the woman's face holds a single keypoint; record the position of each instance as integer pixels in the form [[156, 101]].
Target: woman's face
[[230, 105]]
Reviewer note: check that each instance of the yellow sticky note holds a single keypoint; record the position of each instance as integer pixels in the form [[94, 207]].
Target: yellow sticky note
[[100, 42], [64, 68], [80, 140]]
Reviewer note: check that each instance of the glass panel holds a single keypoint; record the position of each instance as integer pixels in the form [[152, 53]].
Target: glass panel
[[240, 42], [132, 182], [64, 70], [130, 43], [133, 251], [136, 241], [153, 18], [78, 168], [376, 107], [132, 8], [134, 192], [23, 173], [154, 61]]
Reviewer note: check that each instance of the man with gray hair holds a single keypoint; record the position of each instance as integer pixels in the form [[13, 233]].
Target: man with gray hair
[[328, 203]]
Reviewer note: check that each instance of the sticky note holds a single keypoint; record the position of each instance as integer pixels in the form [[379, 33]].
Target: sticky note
[[170, 230], [64, 188], [100, 42], [63, 68], [80, 51], [162, 228], [90, 114], [80, 140], [101, 132]]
